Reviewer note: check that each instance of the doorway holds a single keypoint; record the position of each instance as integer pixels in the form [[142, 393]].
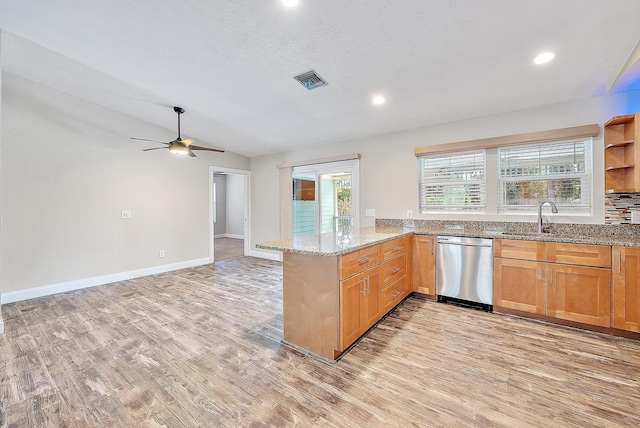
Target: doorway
[[324, 198], [229, 212]]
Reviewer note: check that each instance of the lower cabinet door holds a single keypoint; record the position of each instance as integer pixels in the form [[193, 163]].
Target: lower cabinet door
[[626, 288], [578, 293], [359, 305], [519, 285], [424, 265]]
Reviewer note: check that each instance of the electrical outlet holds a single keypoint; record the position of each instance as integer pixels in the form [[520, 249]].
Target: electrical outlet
[[370, 212], [635, 217], [125, 214], [409, 214], [161, 253]]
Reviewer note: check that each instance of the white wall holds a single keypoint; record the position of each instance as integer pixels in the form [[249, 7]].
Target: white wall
[[221, 205], [235, 205], [389, 169], [69, 168]]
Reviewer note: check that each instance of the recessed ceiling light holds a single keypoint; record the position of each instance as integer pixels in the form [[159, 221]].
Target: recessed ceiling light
[[289, 3], [544, 57], [378, 100]]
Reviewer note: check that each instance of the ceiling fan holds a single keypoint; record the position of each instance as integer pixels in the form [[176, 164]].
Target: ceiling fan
[[179, 146]]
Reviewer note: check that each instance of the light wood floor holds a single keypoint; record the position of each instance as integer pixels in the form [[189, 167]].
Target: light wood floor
[[228, 248], [201, 347]]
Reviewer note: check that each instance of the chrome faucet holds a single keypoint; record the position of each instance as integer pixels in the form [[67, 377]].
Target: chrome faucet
[[543, 224]]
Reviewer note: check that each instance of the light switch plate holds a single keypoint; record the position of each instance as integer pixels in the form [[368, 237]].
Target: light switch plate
[[635, 217], [370, 212]]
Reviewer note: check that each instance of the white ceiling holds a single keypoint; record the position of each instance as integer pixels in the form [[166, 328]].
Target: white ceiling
[[230, 63]]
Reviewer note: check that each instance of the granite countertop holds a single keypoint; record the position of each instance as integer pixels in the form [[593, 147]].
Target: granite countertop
[[334, 244]]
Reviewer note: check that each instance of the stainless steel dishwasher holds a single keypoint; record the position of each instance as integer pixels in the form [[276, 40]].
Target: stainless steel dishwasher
[[464, 271]]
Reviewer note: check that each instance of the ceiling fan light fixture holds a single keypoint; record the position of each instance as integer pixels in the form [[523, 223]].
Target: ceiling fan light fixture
[[289, 3]]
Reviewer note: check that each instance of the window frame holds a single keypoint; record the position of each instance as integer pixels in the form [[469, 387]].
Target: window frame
[[585, 177], [453, 183]]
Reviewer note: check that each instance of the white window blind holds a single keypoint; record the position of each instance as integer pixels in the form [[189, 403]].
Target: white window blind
[[453, 181], [559, 171]]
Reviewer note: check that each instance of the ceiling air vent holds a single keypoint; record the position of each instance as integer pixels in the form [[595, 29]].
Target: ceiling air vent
[[311, 80]]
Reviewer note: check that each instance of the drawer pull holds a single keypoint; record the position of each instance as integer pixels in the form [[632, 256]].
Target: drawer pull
[[365, 260], [396, 294], [396, 248], [396, 270]]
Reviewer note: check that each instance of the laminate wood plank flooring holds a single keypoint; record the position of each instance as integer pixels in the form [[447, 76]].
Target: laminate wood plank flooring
[[201, 347], [228, 248]]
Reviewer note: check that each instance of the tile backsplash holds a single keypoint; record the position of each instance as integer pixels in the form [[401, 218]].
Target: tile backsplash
[[618, 207]]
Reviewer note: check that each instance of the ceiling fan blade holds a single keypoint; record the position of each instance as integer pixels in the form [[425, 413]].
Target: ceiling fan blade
[[144, 139], [205, 148], [188, 141], [193, 155], [154, 148]]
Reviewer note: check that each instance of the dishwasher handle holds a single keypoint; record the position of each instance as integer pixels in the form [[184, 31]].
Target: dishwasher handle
[[464, 244]]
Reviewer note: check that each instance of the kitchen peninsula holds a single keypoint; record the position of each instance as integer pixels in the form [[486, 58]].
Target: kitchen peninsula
[[336, 286]]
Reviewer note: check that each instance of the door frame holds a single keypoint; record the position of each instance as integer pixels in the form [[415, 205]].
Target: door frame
[[247, 207]]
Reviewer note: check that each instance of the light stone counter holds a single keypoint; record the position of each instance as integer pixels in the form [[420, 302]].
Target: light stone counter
[[335, 244]]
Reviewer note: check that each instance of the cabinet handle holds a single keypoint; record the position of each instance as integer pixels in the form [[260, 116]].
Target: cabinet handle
[[365, 260], [396, 248], [366, 286], [551, 277], [396, 270], [619, 261], [396, 294], [540, 274]]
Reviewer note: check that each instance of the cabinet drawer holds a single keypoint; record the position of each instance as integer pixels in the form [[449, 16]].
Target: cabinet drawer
[[579, 254], [394, 270], [515, 249], [393, 294], [360, 260], [394, 248]]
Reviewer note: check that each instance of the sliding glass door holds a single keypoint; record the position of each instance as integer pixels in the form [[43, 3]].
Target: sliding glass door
[[324, 198]]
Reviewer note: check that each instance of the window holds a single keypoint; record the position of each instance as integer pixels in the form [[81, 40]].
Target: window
[[453, 181], [559, 171]]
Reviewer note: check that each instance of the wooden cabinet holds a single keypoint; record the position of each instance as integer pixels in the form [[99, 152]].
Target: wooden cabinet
[[621, 154], [360, 260], [373, 281], [424, 265], [578, 293], [330, 301], [626, 288], [564, 281], [519, 284], [578, 254], [360, 305]]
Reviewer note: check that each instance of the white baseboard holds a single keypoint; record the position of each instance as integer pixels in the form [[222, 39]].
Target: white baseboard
[[266, 255], [61, 287], [1, 326], [229, 235]]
